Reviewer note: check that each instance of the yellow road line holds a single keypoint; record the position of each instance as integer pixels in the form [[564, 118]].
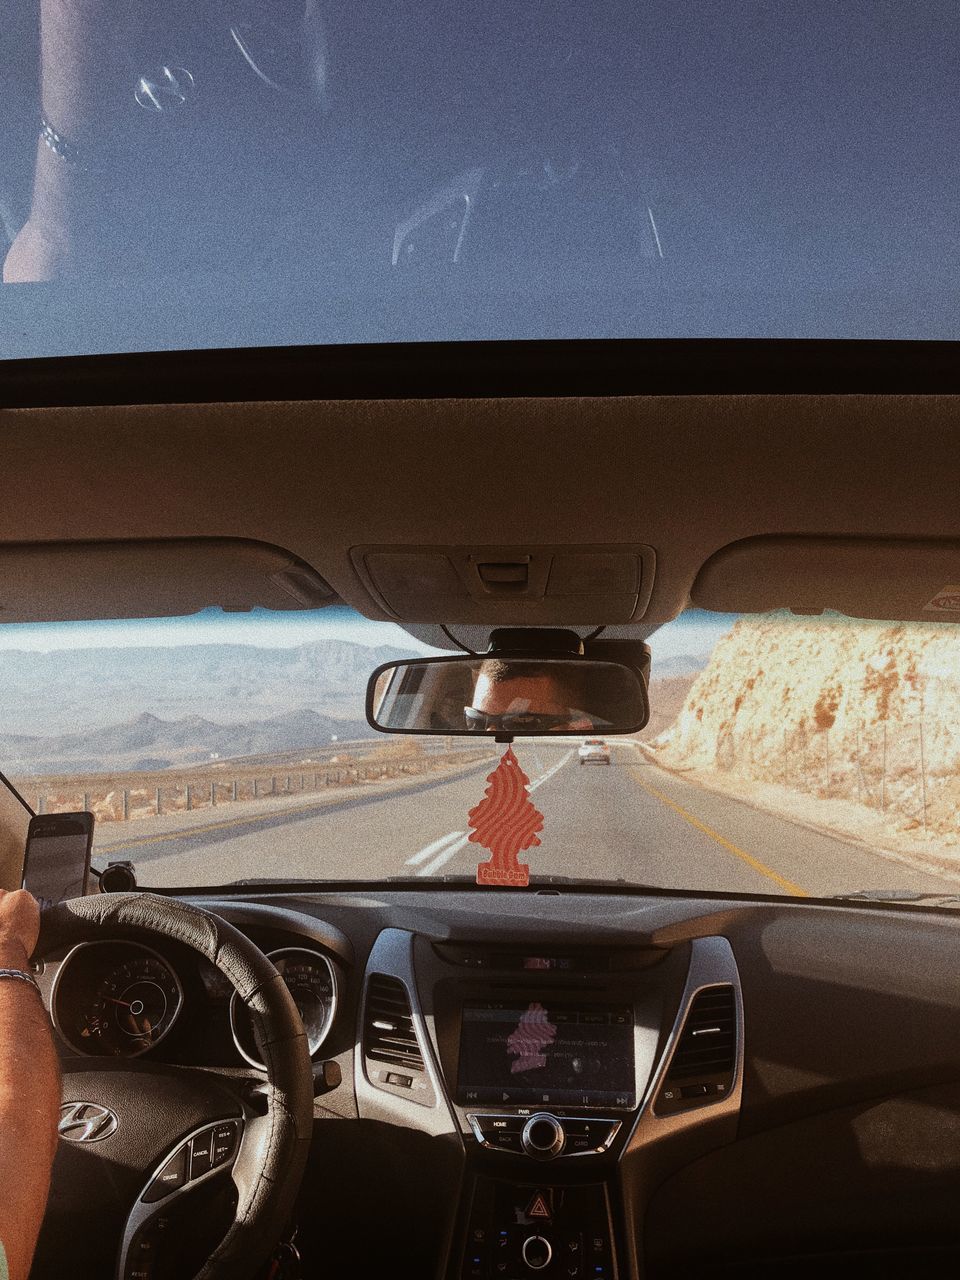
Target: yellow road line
[[787, 885]]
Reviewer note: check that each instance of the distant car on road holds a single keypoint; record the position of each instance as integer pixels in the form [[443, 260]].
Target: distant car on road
[[594, 751]]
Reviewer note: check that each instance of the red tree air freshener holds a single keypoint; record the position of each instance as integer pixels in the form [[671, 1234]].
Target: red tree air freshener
[[505, 822]]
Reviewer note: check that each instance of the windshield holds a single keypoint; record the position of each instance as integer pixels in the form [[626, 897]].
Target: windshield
[[234, 174], [784, 755]]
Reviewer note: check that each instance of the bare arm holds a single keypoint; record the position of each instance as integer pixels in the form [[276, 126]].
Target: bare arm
[[83, 43], [29, 1089]]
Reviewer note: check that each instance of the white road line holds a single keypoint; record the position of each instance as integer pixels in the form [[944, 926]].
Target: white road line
[[443, 858], [432, 848], [656, 233], [447, 851], [545, 777]]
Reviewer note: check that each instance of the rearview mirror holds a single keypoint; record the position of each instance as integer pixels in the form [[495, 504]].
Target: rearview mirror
[[506, 695]]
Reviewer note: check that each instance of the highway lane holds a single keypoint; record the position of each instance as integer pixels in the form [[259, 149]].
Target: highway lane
[[630, 821]]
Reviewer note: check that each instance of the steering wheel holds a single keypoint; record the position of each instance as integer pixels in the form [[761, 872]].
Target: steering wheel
[[155, 1136]]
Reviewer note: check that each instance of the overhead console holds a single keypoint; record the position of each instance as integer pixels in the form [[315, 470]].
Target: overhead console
[[509, 585], [559, 1069]]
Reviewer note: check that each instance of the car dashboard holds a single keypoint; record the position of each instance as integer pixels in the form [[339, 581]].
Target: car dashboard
[[574, 1084]]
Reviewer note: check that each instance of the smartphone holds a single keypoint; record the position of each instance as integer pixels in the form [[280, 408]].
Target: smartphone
[[56, 864]]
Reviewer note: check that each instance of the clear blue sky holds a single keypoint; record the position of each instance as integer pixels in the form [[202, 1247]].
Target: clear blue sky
[[694, 633]]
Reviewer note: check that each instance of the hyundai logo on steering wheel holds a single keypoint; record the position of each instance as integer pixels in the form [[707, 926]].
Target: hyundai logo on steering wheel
[[86, 1122]]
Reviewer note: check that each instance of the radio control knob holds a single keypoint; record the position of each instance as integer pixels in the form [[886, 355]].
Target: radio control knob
[[536, 1252], [543, 1136]]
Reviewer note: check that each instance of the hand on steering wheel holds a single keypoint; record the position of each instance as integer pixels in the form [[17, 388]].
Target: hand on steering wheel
[[106, 1183]]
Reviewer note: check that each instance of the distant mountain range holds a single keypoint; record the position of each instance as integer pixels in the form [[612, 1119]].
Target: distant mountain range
[[71, 692], [148, 743], [84, 710]]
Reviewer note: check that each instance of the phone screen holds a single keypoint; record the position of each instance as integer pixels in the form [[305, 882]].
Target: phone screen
[[57, 864]]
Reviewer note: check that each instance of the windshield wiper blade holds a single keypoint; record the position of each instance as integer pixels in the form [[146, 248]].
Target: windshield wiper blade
[[464, 881], [896, 896], [281, 880], [537, 883]]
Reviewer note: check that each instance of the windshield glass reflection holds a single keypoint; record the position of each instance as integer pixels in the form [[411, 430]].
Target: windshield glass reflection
[[223, 175]]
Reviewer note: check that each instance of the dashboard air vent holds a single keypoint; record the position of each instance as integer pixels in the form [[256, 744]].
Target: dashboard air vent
[[704, 1062], [392, 1055], [708, 1044], [388, 1034]]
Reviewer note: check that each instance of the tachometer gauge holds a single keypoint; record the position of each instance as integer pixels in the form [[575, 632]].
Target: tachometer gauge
[[136, 1005], [116, 999], [312, 982]]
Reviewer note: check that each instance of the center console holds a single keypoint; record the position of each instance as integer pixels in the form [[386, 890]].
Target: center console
[[558, 1069], [555, 1062], [518, 1228], [546, 1057]]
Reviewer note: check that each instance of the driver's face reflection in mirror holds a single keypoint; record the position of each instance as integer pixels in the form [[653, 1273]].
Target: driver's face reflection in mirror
[[500, 693]]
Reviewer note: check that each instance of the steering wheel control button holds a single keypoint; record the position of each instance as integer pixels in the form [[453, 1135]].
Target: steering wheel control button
[[537, 1252], [141, 1263], [171, 1177], [201, 1154], [224, 1142], [543, 1136], [214, 1147]]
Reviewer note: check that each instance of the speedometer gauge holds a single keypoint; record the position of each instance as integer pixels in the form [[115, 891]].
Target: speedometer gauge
[[311, 980]]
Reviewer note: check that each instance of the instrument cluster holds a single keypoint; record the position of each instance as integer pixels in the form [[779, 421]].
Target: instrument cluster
[[120, 998]]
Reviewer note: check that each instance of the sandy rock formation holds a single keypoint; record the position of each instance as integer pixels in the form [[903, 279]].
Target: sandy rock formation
[[835, 708]]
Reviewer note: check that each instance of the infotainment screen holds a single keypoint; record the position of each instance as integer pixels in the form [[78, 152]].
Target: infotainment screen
[[543, 1053]]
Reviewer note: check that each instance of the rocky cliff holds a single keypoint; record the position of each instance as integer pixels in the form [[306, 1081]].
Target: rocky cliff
[[832, 709]]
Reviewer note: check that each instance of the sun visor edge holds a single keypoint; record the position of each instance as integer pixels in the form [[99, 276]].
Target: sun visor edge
[[902, 580], [151, 578]]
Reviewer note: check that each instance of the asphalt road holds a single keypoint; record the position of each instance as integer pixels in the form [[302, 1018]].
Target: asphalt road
[[629, 820]]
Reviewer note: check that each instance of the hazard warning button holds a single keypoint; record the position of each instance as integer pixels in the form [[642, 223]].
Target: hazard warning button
[[539, 1206]]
